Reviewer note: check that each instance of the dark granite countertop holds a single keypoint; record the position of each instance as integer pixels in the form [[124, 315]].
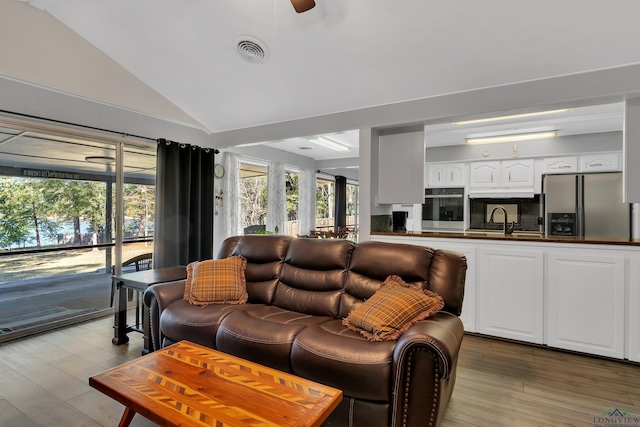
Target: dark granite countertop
[[516, 237]]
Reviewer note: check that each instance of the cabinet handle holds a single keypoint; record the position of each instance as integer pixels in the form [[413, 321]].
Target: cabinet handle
[[509, 176], [451, 176], [439, 177], [564, 167], [595, 164]]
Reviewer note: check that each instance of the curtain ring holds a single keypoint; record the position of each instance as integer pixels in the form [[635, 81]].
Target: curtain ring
[[183, 145]]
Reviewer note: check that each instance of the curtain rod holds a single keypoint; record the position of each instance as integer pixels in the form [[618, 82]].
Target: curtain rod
[[330, 174], [161, 140]]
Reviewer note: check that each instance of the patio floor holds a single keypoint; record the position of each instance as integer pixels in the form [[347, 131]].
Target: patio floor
[[29, 305]]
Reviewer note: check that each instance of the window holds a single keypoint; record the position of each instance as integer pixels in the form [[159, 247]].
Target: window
[[291, 182], [325, 191], [353, 206], [253, 197]]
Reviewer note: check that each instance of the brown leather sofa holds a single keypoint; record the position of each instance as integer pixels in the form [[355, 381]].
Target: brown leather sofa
[[299, 291]]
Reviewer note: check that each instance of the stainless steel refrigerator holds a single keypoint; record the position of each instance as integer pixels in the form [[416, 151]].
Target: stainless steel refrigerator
[[585, 205]]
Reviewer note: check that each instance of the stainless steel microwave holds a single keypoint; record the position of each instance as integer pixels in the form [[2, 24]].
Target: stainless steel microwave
[[443, 209]]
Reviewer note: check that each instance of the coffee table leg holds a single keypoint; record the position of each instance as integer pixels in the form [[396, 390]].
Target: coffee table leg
[[126, 417], [120, 319]]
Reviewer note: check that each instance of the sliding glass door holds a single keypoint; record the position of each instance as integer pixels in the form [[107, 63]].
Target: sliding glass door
[[58, 230]]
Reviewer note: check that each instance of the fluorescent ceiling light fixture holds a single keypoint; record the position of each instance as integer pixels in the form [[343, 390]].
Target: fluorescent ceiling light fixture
[[512, 138], [513, 116], [330, 143]]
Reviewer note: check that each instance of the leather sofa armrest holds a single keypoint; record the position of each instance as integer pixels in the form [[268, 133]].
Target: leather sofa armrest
[[424, 365], [157, 298]]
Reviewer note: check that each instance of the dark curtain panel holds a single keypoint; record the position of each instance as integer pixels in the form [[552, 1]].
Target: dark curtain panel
[[183, 230], [340, 203]]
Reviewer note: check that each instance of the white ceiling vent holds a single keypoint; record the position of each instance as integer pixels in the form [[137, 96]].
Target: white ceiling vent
[[251, 49]]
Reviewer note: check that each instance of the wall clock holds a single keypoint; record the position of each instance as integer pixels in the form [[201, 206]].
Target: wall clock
[[218, 171]]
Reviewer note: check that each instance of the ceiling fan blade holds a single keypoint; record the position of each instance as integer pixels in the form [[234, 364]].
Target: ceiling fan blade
[[303, 5]]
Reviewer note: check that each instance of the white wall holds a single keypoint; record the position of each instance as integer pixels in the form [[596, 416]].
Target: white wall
[[39, 49], [18, 97]]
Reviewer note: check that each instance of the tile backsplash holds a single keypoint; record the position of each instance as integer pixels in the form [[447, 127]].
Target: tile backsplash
[[528, 212]]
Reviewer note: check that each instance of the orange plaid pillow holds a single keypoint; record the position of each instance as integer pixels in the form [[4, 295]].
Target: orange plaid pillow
[[392, 310], [216, 281]]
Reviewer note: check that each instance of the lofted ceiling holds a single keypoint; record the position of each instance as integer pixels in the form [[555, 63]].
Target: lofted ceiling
[[347, 55]]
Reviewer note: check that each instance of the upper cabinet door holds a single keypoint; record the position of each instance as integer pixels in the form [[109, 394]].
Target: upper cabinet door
[[603, 162], [454, 175], [517, 173], [565, 164], [485, 174], [445, 175], [436, 175]]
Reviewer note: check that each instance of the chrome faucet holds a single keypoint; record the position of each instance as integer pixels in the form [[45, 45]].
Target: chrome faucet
[[505, 230]]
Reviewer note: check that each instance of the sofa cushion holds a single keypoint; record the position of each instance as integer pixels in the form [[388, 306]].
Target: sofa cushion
[[313, 276], [183, 321], [392, 310], [216, 281], [265, 255], [331, 354], [263, 335]]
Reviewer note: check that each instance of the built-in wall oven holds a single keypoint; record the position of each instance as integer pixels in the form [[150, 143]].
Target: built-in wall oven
[[443, 209]]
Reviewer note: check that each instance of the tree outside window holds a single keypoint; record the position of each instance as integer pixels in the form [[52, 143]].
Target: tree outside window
[[38, 212], [292, 193], [253, 194], [353, 205], [325, 190]]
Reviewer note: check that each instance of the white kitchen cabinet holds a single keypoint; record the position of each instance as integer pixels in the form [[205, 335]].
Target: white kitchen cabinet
[[455, 174], [445, 175], [435, 175], [565, 164], [401, 168], [603, 162], [484, 174], [517, 173], [506, 175], [586, 302], [510, 293], [578, 297]]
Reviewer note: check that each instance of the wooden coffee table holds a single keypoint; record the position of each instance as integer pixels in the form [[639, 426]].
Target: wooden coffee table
[[188, 384]]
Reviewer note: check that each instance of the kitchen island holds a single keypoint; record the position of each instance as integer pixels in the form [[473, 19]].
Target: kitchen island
[[524, 236], [573, 293]]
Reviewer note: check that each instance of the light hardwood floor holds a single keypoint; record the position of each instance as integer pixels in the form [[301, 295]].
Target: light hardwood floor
[[43, 382]]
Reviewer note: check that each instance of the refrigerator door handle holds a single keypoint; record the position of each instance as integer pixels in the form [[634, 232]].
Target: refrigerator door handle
[[580, 207]]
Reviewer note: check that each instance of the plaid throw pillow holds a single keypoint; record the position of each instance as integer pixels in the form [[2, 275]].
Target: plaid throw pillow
[[216, 281], [392, 310]]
